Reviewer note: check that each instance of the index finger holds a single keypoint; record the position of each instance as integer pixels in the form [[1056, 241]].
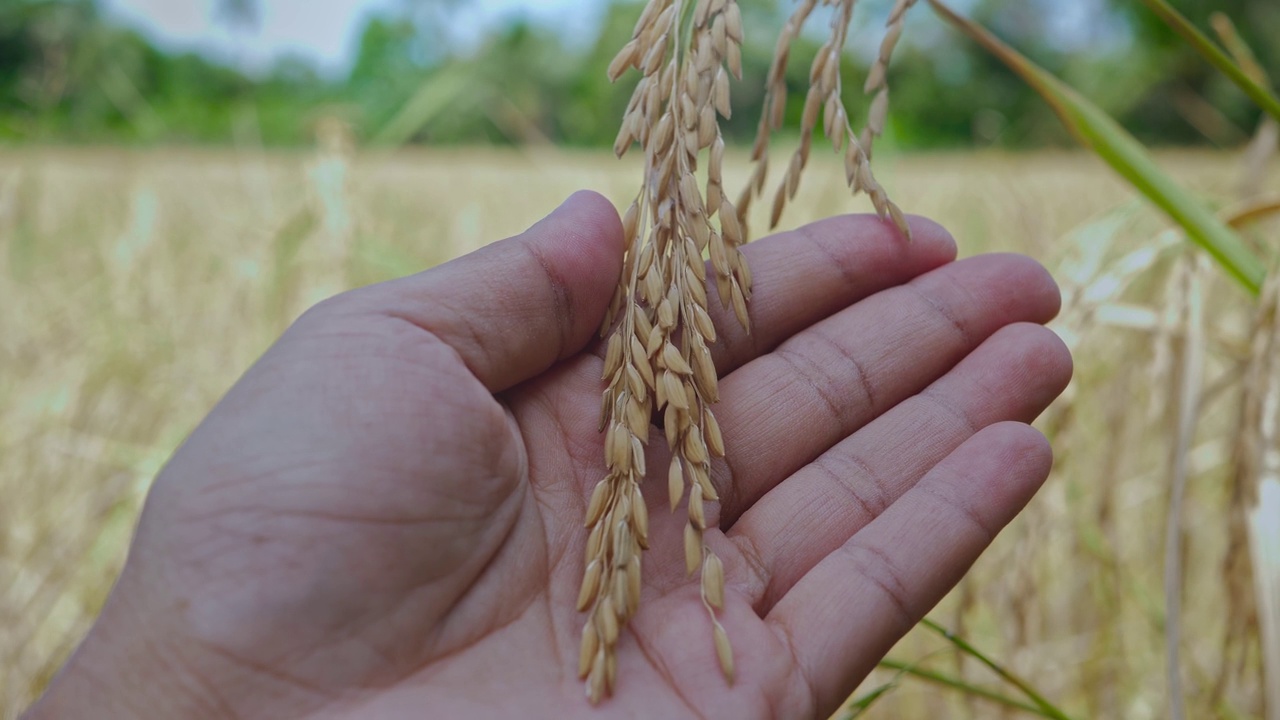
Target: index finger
[[808, 274]]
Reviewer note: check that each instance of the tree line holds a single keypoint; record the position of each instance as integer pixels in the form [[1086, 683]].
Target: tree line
[[68, 74]]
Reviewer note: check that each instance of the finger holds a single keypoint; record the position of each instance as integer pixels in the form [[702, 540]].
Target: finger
[[515, 308], [848, 611], [817, 270], [1013, 376], [782, 410], [807, 274]]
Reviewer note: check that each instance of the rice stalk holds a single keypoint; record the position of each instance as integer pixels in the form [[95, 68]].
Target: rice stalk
[[1241, 53], [1256, 91], [73, 204], [658, 358], [1265, 537], [824, 99], [1242, 580], [1046, 707], [1252, 212], [1259, 469], [1266, 140], [1101, 134], [862, 705], [329, 260], [1191, 319], [968, 689], [442, 92]]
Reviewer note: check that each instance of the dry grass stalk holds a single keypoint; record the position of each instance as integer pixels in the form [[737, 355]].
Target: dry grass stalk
[[878, 78], [1266, 140], [1265, 536], [1259, 466], [825, 98], [1191, 280], [658, 357], [1245, 543]]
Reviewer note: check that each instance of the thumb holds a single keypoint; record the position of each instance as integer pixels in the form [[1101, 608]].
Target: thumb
[[515, 308]]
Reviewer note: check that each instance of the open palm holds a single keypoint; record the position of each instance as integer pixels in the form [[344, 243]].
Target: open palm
[[383, 518]]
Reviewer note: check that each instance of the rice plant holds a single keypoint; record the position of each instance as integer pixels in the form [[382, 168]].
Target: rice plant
[[107, 257]]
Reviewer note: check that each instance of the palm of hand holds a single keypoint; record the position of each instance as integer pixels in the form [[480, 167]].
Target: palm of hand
[[363, 528]]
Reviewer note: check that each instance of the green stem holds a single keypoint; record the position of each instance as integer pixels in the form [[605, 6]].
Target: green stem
[[1098, 132], [858, 707], [1216, 56], [956, 684], [1049, 710]]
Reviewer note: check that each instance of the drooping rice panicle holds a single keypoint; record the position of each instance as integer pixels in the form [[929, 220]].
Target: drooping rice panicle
[[658, 356], [824, 99]]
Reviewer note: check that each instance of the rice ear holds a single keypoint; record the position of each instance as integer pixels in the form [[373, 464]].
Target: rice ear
[[658, 358]]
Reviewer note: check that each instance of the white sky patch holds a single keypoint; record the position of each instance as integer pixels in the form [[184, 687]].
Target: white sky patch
[[1074, 27], [324, 31], [571, 18]]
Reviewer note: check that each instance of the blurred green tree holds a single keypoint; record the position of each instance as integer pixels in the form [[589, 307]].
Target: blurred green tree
[[67, 73], [1170, 106]]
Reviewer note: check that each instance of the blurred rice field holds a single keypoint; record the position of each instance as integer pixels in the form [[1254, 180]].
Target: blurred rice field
[[137, 286]]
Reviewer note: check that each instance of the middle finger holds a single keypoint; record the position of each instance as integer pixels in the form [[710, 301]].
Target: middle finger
[[781, 411]]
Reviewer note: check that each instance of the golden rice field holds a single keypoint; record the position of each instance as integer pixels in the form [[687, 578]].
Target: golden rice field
[[136, 286]]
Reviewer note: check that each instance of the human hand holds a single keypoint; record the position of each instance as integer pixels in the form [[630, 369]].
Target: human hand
[[383, 518]]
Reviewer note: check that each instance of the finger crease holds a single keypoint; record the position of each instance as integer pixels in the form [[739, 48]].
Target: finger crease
[[757, 585], [967, 510], [847, 481], [561, 298], [782, 627], [947, 314], [938, 400], [808, 372], [471, 335], [861, 378], [876, 567], [844, 264], [664, 672]]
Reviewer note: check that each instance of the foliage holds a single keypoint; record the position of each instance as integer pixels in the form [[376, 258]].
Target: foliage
[[1109, 141], [69, 74]]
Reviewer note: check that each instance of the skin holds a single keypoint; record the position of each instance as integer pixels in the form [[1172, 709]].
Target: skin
[[383, 518]]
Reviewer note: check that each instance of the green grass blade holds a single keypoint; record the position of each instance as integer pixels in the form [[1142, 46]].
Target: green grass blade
[[1108, 140], [1047, 708], [859, 707], [962, 686], [1240, 51], [1216, 56], [437, 96]]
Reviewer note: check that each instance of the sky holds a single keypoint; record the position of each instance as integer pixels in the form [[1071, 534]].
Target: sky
[[325, 31]]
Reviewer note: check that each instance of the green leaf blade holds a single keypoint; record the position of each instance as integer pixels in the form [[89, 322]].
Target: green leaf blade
[[1216, 57], [1106, 138]]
